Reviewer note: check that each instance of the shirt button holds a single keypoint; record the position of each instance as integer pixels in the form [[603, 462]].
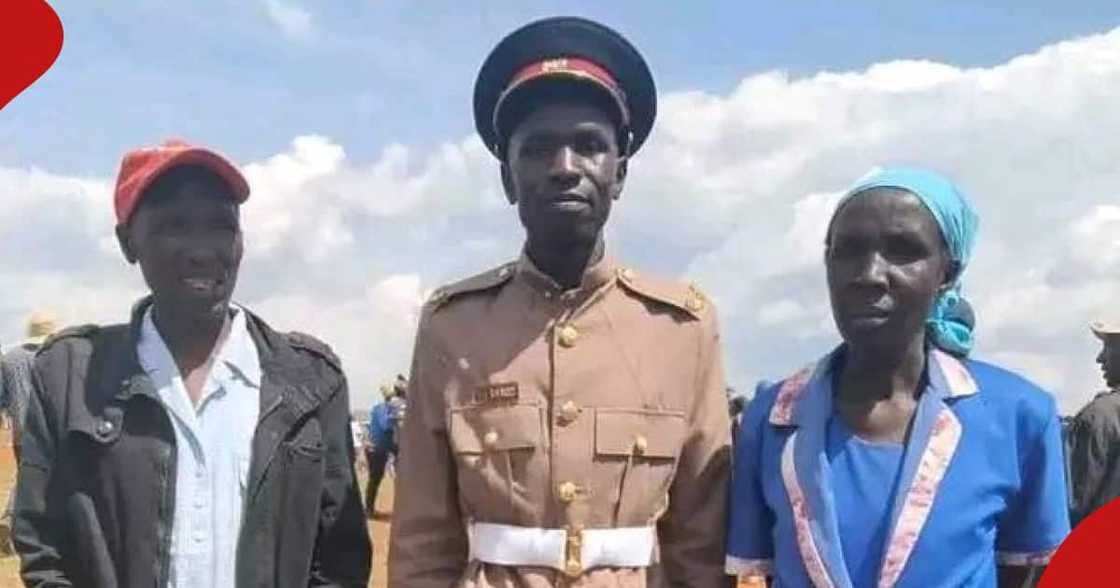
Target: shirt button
[[490, 439], [640, 445], [568, 335], [566, 492], [569, 412]]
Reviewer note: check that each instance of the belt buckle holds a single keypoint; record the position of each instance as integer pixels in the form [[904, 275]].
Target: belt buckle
[[573, 551]]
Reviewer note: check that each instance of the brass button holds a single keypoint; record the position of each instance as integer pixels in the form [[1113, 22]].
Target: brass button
[[573, 567], [627, 274], [490, 439], [568, 335], [566, 492], [694, 304], [640, 444], [569, 412]]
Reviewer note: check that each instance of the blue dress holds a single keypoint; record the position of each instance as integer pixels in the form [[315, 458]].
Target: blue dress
[[981, 481]]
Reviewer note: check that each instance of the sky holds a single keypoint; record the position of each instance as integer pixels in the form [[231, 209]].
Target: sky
[[352, 121]]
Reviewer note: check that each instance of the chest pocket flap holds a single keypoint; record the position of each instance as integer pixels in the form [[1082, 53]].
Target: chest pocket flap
[[103, 428], [644, 432], [477, 429]]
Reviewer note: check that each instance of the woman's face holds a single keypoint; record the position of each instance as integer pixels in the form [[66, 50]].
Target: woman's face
[[886, 263]]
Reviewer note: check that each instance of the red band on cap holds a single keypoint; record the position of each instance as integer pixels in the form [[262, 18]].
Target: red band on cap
[[566, 65]]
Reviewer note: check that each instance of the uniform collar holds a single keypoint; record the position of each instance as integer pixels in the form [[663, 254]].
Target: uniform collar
[[947, 378], [594, 277]]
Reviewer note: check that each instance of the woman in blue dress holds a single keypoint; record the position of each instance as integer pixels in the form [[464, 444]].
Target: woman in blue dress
[[896, 460]]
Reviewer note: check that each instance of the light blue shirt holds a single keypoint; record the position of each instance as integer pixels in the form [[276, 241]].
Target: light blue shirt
[[213, 447]]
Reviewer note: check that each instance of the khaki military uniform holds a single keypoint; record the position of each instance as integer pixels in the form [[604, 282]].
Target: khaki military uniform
[[563, 412]]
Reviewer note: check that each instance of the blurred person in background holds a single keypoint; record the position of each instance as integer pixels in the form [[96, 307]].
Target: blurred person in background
[[382, 437]]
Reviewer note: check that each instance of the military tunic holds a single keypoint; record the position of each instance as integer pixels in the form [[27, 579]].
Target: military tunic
[[600, 407]]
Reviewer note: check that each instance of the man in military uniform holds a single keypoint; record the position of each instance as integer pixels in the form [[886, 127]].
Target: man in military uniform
[[1093, 436], [567, 421], [194, 446]]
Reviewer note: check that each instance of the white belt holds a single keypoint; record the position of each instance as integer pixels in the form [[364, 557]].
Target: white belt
[[570, 551]]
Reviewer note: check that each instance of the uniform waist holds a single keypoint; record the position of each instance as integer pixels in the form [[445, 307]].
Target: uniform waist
[[569, 550]]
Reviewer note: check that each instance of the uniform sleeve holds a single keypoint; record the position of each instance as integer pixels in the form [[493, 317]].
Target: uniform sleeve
[[1037, 520], [750, 547], [1091, 455], [428, 543], [692, 532]]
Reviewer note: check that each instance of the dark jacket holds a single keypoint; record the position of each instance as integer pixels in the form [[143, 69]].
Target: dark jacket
[[95, 500], [1093, 448]]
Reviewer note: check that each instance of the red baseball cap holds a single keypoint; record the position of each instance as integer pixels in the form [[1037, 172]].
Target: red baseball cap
[[141, 167]]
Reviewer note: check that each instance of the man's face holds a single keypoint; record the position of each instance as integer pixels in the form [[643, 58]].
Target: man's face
[[188, 244], [563, 169], [1109, 360]]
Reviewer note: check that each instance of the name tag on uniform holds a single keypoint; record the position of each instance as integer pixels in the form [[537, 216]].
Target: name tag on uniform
[[501, 392]]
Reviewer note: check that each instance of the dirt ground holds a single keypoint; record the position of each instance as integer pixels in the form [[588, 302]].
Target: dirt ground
[[379, 529]]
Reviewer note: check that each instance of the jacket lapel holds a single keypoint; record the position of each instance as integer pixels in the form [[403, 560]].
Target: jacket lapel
[[805, 403], [934, 438], [286, 397]]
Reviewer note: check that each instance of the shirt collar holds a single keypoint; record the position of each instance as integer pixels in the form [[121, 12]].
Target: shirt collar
[[948, 378], [237, 358], [594, 277]]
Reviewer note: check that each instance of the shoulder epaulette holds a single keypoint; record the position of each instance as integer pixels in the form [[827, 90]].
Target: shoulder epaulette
[[686, 297], [84, 331], [308, 343], [480, 282]]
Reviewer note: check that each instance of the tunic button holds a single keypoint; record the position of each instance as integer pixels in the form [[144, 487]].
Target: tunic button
[[104, 427], [568, 335], [567, 492], [490, 439], [569, 412], [640, 444], [573, 567]]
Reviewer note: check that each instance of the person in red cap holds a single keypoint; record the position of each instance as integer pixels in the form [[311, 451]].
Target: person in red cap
[[567, 424], [194, 446]]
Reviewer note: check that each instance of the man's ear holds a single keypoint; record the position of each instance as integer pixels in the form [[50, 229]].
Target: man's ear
[[507, 183], [124, 239], [620, 176]]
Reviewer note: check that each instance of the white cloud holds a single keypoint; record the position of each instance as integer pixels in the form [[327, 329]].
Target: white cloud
[[733, 191], [294, 21]]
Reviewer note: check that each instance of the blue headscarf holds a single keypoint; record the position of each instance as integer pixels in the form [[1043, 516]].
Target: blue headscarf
[[951, 322]]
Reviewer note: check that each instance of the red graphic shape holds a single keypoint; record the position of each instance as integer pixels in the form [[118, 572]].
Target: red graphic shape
[[30, 41], [1088, 556]]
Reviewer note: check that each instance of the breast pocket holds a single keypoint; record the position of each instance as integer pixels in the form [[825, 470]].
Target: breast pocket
[[495, 449], [636, 451], [92, 439]]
